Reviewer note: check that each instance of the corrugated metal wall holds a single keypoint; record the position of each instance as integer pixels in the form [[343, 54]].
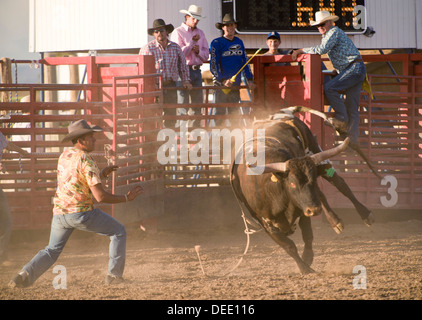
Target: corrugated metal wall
[[81, 25], [418, 11], [394, 22], [169, 11]]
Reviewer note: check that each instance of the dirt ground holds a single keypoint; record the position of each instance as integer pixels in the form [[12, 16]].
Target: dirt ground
[[164, 265]]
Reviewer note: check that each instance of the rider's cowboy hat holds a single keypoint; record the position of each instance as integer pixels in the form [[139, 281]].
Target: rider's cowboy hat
[[321, 17], [227, 19], [79, 128], [193, 11], [158, 24]]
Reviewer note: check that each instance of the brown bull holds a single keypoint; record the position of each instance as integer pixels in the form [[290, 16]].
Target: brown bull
[[287, 190]]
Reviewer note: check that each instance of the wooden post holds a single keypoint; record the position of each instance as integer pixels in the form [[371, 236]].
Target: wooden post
[[313, 76], [74, 79], [6, 77]]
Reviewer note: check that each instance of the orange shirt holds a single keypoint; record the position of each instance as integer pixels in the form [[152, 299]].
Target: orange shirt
[[76, 173]]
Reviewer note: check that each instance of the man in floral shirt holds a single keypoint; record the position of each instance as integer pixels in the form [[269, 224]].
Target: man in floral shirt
[[77, 172], [78, 181], [351, 70]]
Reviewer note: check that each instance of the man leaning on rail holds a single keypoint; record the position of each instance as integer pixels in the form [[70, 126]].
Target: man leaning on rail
[[351, 70]]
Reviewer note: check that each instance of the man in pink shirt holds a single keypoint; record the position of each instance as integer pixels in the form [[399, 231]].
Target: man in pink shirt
[[196, 51]]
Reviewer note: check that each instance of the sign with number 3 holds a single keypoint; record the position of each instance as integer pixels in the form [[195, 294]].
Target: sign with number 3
[[390, 201]]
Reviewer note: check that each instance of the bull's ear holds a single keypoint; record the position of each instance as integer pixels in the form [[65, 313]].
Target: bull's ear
[[271, 167]]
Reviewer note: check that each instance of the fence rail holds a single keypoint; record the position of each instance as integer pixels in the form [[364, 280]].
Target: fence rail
[[130, 109]]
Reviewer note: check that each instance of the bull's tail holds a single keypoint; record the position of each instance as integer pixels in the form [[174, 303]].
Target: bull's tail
[[354, 146], [292, 110]]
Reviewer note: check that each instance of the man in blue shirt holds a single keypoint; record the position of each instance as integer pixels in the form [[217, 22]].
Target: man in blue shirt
[[351, 70], [228, 56]]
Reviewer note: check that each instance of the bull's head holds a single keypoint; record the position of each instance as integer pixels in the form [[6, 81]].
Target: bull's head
[[300, 178]]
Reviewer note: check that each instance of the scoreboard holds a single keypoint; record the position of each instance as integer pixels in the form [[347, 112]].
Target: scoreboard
[[293, 16]]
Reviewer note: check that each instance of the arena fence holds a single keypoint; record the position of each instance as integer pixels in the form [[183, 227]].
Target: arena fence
[[123, 95]]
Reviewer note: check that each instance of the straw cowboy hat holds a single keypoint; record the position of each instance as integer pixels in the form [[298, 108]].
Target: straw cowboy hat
[[321, 17], [193, 11], [159, 23], [78, 129], [227, 19]]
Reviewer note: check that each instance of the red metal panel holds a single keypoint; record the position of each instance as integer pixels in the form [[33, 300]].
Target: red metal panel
[[390, 130], [34, 178]]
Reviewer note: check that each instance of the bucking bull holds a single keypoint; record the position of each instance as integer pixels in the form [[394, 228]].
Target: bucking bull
[[287, 190]]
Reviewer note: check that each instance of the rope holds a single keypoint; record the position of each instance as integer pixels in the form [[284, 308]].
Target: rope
[[248, 231]]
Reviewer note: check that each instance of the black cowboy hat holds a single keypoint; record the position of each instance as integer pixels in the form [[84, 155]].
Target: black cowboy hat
[[159, 23], [227, 19], [78, 129]]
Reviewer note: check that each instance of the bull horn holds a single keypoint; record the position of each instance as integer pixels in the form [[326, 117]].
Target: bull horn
[[324, 155], [270, 167]]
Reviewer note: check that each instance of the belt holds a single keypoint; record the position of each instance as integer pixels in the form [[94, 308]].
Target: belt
[[354, 61], [195, 67], [167, 82]]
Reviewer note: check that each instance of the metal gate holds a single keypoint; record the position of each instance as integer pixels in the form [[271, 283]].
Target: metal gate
[[137, 120], [122, 96], [124, 106]]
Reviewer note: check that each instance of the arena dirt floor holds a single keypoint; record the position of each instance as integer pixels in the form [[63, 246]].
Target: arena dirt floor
[[163, 265]]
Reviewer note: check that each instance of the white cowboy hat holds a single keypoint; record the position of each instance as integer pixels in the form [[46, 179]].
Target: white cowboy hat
[[193, 11], [321, 17]]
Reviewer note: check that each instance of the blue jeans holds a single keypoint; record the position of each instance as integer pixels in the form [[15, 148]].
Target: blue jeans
[[62, 227], [349, 80], [5, 226], [196, 96], [170, 96], [233, 96]]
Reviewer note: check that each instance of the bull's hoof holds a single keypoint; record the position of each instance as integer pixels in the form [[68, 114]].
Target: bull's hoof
[[304, 270], [369, 220], [339, 227], [308, 257]]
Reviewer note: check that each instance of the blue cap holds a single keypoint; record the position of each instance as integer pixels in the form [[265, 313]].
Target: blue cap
[[273, 34]]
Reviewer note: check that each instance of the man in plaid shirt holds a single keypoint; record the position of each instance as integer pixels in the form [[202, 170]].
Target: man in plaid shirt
[[169, 61]]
